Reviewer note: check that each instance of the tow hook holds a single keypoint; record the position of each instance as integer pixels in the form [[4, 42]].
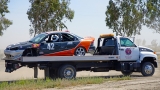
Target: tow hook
[[10, 67]]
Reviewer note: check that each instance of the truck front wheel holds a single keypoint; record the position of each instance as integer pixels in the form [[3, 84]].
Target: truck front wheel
[[147, 69], [67, 72]]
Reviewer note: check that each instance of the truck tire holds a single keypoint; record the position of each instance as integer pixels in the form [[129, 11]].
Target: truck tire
[[147, 69], [126, 73], [67, 72]]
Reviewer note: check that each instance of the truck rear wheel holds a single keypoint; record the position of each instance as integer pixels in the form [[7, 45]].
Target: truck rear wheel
[[67, 72], [147, 69]]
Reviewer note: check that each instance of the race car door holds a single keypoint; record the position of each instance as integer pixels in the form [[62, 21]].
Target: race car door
[[128, 50], [68, 43], [51, 45]]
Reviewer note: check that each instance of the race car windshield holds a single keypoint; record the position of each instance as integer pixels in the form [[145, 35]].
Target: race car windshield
[[37, 38]]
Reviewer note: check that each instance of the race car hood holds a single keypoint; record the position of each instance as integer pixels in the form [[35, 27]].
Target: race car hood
[[142, 48], [20, 45]]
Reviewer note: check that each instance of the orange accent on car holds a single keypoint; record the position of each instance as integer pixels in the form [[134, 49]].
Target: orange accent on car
[[89, 38], [84, 43], [60, 53], [35, 45]]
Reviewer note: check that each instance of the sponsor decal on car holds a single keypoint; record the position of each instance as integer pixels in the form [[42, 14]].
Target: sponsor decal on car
[[69, 43], [50, 46]]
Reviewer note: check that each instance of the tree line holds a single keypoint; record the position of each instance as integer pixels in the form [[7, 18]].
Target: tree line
[[44, 15], [124, 17], [154, 44]]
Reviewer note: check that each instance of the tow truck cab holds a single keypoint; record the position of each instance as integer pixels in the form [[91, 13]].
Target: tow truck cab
[[124, 47]]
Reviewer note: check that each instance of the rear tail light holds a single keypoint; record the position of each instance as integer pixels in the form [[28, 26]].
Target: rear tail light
[[92, 43]]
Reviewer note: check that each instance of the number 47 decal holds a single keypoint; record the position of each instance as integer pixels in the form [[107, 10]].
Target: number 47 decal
[[50, 46]]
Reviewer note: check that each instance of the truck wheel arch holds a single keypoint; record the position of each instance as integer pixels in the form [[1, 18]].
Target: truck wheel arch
[[150, 59]]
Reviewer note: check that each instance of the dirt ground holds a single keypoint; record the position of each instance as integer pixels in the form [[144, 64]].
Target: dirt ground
[[137, 83]]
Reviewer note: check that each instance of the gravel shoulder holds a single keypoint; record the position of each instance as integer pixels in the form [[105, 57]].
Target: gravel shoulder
[[135, 84]]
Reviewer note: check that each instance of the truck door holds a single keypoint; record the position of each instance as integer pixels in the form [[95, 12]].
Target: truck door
[[128, 50]]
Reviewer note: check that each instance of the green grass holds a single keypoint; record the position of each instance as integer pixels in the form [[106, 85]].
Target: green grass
[[39, 84]]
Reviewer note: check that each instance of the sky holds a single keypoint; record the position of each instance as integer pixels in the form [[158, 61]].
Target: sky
[[89, 20]]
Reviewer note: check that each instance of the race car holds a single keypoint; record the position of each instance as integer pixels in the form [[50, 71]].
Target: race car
[[54, 43]]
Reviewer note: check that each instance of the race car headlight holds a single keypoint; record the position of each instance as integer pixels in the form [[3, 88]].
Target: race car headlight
[[35, 45]]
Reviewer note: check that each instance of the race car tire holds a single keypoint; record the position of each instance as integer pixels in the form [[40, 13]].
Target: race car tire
[[80, 51]]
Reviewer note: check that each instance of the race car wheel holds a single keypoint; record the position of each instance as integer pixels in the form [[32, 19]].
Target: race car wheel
[[80, 51], [67, 72]]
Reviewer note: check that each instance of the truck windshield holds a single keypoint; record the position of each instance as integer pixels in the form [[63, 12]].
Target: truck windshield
[[38, 38], [125, 42]]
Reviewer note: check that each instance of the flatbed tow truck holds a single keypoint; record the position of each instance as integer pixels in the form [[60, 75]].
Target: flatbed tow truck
[[112, 53]]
